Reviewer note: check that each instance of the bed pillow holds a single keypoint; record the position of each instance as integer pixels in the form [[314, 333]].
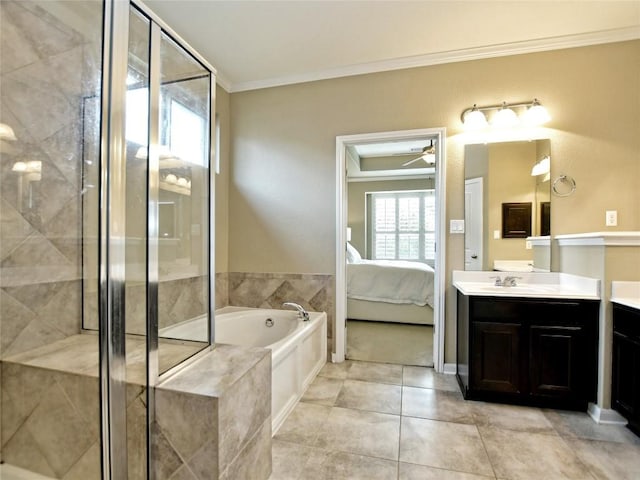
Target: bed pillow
[[353, 256]]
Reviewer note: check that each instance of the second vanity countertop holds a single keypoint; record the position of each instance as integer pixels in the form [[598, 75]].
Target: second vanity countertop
[[529, 285], [626, 293]]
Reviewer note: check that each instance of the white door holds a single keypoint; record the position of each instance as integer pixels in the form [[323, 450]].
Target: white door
[[473, 224]]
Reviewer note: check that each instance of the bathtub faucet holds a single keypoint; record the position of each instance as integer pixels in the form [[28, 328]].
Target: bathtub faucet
[[302, 313]]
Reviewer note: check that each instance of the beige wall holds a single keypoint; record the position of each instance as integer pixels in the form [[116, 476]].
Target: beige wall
[[282, 185], [356, 204]]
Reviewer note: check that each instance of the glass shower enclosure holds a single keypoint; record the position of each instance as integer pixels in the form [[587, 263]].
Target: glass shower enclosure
[[106, 231]]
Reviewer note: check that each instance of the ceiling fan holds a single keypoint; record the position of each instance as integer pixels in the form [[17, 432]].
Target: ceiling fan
[[428, 155]]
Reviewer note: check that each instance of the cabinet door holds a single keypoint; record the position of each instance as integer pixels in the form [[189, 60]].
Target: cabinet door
[[496, 357], [626, 383], [554, 356]]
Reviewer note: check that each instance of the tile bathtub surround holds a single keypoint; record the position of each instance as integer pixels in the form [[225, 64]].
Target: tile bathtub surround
[[213, 418], [337, 432], [216, 416], [270, 290]]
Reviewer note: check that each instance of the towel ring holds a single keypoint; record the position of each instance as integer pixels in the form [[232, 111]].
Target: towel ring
[[563, 179]]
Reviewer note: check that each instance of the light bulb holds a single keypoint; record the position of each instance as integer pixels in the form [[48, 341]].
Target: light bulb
[[171, 178], [182, 182], [6, 132], [19, 167], [475, 119], [505, 117], [536, 115]]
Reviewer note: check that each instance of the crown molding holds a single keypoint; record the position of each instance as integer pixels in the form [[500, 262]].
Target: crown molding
[[607, 239], [463, 55]]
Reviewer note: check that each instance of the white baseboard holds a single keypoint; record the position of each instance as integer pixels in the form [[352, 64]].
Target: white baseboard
[[605, 415], [449, 369]]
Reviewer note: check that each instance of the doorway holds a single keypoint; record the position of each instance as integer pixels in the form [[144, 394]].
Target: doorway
[[426, 162]]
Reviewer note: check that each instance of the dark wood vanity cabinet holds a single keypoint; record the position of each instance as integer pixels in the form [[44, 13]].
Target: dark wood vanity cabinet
[[625, 392], [528, 350]]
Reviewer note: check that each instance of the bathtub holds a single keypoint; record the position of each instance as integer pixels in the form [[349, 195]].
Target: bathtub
[[298, 349]]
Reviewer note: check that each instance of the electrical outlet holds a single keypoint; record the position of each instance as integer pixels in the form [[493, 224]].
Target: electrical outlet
[[611, 218], [527, 245]]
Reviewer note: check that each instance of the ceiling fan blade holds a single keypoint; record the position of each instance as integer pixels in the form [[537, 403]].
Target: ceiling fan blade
[[405, 164]]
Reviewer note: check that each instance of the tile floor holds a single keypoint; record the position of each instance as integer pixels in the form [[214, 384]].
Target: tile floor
[[362, 420]]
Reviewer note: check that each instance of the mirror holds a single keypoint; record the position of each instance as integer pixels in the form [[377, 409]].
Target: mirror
[[508, 206]]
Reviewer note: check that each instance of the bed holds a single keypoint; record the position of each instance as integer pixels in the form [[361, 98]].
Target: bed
[[389, 290]]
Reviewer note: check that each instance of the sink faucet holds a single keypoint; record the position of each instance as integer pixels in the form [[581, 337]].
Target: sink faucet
[[302, 313], [508, 281]]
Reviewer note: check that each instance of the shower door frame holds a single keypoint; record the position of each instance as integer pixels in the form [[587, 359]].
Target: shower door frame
[[112, 234]]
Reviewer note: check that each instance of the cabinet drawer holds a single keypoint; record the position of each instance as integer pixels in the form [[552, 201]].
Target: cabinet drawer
[[626, 322], [488, 309]]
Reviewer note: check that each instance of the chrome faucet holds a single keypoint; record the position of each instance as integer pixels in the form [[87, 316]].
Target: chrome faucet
[[508, 281], [302, 313]]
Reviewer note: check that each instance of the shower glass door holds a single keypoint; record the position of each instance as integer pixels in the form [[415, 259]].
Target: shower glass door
[[184, 300]]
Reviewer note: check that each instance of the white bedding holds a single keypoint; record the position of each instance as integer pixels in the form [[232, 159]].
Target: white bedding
[[390, 281]]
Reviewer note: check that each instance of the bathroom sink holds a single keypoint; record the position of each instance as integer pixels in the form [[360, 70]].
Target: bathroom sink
[[524, 289]]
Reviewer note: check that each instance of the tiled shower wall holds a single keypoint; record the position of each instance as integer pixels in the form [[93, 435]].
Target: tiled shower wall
[[47, 68]]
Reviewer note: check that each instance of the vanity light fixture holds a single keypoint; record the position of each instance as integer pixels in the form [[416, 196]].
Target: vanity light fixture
[[536, 114], [474, 119], [532, 114], [505, 117], [541, 167]]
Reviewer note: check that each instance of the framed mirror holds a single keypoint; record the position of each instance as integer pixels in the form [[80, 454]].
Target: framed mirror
[[508, 206]]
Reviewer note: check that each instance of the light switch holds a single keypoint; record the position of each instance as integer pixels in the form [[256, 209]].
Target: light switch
[[496, 234], [456, 226]]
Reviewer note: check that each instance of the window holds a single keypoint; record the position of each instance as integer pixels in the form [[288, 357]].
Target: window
[[402, 225], [187, 134]]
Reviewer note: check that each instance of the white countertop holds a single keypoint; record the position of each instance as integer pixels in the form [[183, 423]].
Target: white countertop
[[626, 293], [529, 285]]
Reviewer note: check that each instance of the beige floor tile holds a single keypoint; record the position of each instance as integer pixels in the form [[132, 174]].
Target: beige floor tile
[[362, 433], [397, 343], [428, 378], [289, 460], [376, 372], [323, 391], [408, 471], [531, 456], [346, 466], [436, 405], [511, 417], [609, 460], [450, 446], [336, 370], [581, 425], [374, 397], [303, 424]]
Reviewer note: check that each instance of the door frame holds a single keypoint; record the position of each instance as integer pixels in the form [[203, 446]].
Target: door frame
[[342, 142]]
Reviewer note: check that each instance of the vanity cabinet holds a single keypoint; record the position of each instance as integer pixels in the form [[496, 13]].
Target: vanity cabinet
[[533, 351], [625, 392]]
